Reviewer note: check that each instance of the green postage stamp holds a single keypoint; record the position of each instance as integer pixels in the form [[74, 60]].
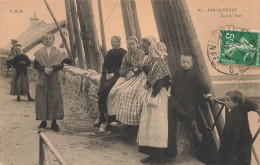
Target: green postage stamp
[[238, 47]]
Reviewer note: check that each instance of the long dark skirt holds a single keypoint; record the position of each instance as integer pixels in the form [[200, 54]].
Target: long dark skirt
[[102, 96], [20, 85], [234, 154], [48, 97]]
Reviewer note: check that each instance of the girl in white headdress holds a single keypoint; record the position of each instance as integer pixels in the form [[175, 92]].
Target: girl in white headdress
[[153, 128]]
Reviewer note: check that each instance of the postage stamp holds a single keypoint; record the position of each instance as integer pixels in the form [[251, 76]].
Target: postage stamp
[[239, 47], [223, 53]]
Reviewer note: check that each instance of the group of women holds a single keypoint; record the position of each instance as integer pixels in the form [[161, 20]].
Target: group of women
[[135, 93]]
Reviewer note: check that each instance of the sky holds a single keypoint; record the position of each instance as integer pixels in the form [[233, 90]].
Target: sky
[[205, 20]]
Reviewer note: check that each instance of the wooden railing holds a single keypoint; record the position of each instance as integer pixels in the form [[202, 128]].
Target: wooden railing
[[45, 143]]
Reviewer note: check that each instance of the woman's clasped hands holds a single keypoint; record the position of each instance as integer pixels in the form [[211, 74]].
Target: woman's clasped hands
[[48, 70]]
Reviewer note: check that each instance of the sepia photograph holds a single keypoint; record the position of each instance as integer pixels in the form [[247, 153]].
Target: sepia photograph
[[129, 82]]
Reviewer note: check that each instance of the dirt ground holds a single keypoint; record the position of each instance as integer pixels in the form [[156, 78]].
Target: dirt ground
[[77, 141]]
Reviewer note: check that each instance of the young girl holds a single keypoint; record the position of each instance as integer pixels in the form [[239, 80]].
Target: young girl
[[21, 80], [153, 129], [236, 139]]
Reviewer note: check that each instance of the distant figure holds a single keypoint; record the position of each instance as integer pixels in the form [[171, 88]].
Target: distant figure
[[14, 44], [21, 80], [12, 53], [236, 139], [48, 96], [110, 74]]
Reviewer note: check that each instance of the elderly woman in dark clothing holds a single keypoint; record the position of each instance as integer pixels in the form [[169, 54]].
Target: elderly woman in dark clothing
[[110, 74], [21, 80]]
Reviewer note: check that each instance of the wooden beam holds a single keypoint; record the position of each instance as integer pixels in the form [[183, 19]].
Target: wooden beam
[[136, 21], [87, 8], [129, 31], [70, 29], [171, 33], [81, 56], [177, 23], [61, 33], [102, 28], [130, 18], [49, 144], [84, 32]]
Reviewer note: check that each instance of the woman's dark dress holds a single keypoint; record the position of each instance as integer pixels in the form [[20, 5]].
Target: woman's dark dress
[[236, 139], [112, 64], [20, 83]]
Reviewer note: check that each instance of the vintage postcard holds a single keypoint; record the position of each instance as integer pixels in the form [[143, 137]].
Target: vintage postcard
[[129, 82]]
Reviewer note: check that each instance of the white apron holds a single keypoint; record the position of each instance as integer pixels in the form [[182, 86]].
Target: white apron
[[153, 128]]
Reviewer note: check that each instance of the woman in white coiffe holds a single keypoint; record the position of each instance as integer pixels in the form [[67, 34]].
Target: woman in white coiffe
[[125, 99], [153, 129]]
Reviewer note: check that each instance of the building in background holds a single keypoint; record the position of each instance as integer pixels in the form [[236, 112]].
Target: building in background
[[31, 38]]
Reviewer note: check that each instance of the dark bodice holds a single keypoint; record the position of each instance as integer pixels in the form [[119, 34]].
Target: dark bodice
[[188, 84], [113, 61], [20, 63]]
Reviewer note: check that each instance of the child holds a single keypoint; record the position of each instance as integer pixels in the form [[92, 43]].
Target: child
[[153, 128], [188, 88], [21, 79], [236, 139]]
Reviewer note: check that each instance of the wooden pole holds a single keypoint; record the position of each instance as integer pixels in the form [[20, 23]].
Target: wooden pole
[[41, 152], [84, 32], [130, 18], [87, 7], [129, 29], [49, 144], [61, 33], [171, 33], [70, 28], [102, 27], [82, 62], [136, 22], [162, 21], [178, 26], [87, 34]]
